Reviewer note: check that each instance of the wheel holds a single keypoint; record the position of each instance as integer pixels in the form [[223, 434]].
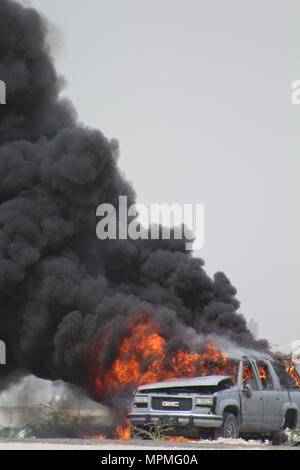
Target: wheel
[[229, 428], [277, 438]]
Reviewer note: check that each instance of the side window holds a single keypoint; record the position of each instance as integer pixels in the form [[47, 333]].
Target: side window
[[265, 377], [249, 376]]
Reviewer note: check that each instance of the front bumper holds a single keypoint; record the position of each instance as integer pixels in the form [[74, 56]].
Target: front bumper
[[193, 420]]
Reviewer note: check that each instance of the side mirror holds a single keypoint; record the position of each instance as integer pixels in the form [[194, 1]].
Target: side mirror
[[247, 390]]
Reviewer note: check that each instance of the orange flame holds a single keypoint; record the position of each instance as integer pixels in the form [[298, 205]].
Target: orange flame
[[176, 438], [262, 372], [143, 358], [290, 368], [123, 431]]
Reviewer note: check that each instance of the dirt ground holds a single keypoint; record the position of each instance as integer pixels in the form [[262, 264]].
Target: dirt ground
[[98, 445]]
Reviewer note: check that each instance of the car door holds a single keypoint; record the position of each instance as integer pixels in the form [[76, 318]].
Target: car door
[[273, 399], [252, 405]]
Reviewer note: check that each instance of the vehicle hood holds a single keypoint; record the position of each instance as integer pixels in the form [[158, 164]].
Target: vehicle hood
[[209, 380]]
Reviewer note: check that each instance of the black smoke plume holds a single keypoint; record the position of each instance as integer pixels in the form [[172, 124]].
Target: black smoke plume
[[59, 284]]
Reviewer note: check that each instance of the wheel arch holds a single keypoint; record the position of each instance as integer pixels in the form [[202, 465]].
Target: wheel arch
[[231, 406]]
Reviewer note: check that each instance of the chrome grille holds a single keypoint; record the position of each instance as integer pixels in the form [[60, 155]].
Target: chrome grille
[[171, 403]]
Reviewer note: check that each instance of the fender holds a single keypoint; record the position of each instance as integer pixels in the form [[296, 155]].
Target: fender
[[228, 403]]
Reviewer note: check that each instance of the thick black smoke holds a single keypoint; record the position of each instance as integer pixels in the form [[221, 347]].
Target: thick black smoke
[[59, 284]]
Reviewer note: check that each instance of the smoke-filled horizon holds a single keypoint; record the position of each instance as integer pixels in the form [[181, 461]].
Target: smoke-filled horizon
[[60, 286]]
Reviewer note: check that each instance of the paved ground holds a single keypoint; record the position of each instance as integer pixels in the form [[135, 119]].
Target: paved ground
[[97, 444]]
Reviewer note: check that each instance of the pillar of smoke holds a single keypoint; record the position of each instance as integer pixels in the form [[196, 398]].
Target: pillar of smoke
[[59, 285]]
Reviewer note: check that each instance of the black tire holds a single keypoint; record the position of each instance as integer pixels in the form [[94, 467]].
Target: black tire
[[229, 428], [277, 438]]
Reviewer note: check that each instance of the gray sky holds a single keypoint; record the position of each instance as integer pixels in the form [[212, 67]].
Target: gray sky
[[198, 93]]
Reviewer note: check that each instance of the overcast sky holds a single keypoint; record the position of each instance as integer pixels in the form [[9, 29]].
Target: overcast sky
[[198, 93]]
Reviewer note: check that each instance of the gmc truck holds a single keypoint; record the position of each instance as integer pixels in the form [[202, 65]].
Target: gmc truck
[[253, 403]]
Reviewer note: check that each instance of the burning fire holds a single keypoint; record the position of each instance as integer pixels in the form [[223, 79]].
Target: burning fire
[[143, 358], [123, 431], [262, 372], [290, 368], [176, 438]]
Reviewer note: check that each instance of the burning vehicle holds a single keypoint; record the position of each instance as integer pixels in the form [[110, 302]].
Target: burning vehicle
[[249, 402], [109, 316]]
